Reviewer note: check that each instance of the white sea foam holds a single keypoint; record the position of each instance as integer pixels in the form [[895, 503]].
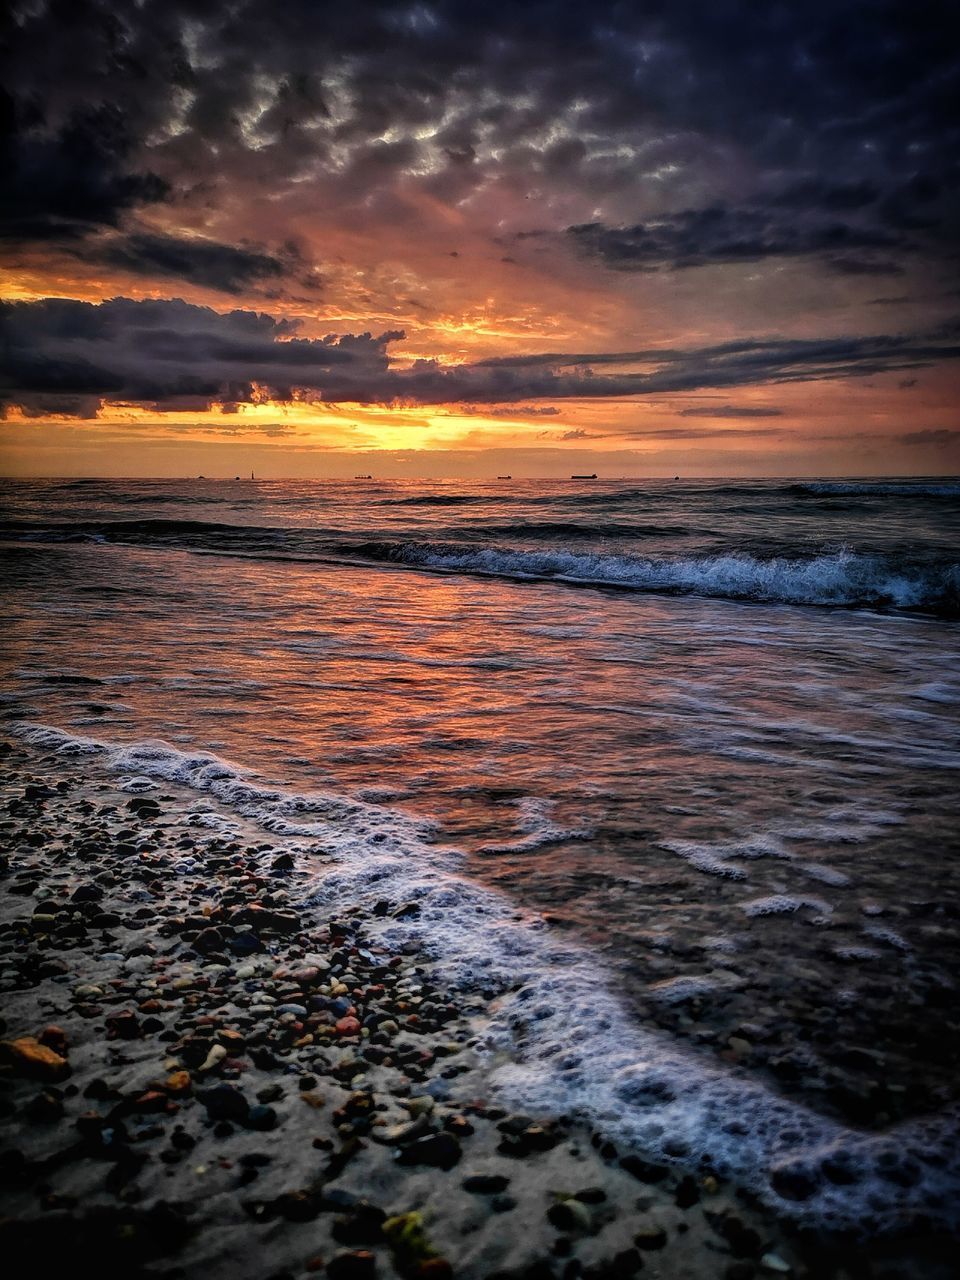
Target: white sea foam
[[713, 858], [693, 986], [780, 904], [534, 818], [559, 1039], [833, 578], [885, 488], [880, 933], [826, 875]]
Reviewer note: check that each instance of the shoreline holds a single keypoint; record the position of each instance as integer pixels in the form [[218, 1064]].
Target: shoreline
[[225, 1081]]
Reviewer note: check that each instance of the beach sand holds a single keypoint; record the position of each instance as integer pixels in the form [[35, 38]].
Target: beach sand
[[204, 1075]]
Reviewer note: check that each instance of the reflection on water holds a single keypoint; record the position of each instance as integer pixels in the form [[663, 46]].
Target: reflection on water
[[750, 811]]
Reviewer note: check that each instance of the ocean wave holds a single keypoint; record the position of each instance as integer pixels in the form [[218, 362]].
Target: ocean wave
[[550, 530], [437, 500], [559, 1040], [843, 578], [839, 578], [882, 488]]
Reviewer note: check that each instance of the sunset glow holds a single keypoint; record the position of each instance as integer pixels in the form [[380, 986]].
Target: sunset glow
[[466, 218]]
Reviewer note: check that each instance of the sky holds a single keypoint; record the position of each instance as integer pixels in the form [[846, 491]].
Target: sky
[[698, 237]]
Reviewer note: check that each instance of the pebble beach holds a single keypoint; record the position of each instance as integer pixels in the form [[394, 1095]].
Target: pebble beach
[[202, 1077]]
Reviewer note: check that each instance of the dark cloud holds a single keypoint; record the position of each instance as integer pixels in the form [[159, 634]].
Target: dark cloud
[[705, 132], [729, 411], [64, 182], [706, 433], [512, 411], [939, 437], [174, 355], [226, 267], [720, 235]]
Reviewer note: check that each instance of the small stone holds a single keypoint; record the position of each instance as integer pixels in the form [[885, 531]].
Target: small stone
[[486, 1184], [422, 1105], [87, 893], [122, 1026], [400, 1134], [261, 1118], [650, 1237], [643, 1170], [442, 1150], [431, 1269], [502, 1204], [54, 1038], [362, 1225], [45, 1108], [687, 1193], [773, 1262], [359, 1265], [570, 1215], [224, 1102], [625, 1264], [28, 1057], [213, 1059], [298, 1206], [347, 1027]]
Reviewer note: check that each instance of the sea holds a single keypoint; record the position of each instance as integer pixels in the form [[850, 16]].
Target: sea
[[670, 768]]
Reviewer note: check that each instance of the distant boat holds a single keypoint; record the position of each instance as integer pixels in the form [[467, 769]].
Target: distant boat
[[363, 477], [504, 477], [590, 477]]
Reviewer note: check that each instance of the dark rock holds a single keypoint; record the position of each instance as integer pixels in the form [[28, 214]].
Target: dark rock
[[45, 1108], [261, 1118], [207, 941], [298, 1206], [122, 1026], [650, 1237], [486, 1184], [363, 1225], [87, 893], [360, 1265], [687, 1193], [441, 1150], [643, 1170], [570, 1216], [244, 944], [224, 1102]]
